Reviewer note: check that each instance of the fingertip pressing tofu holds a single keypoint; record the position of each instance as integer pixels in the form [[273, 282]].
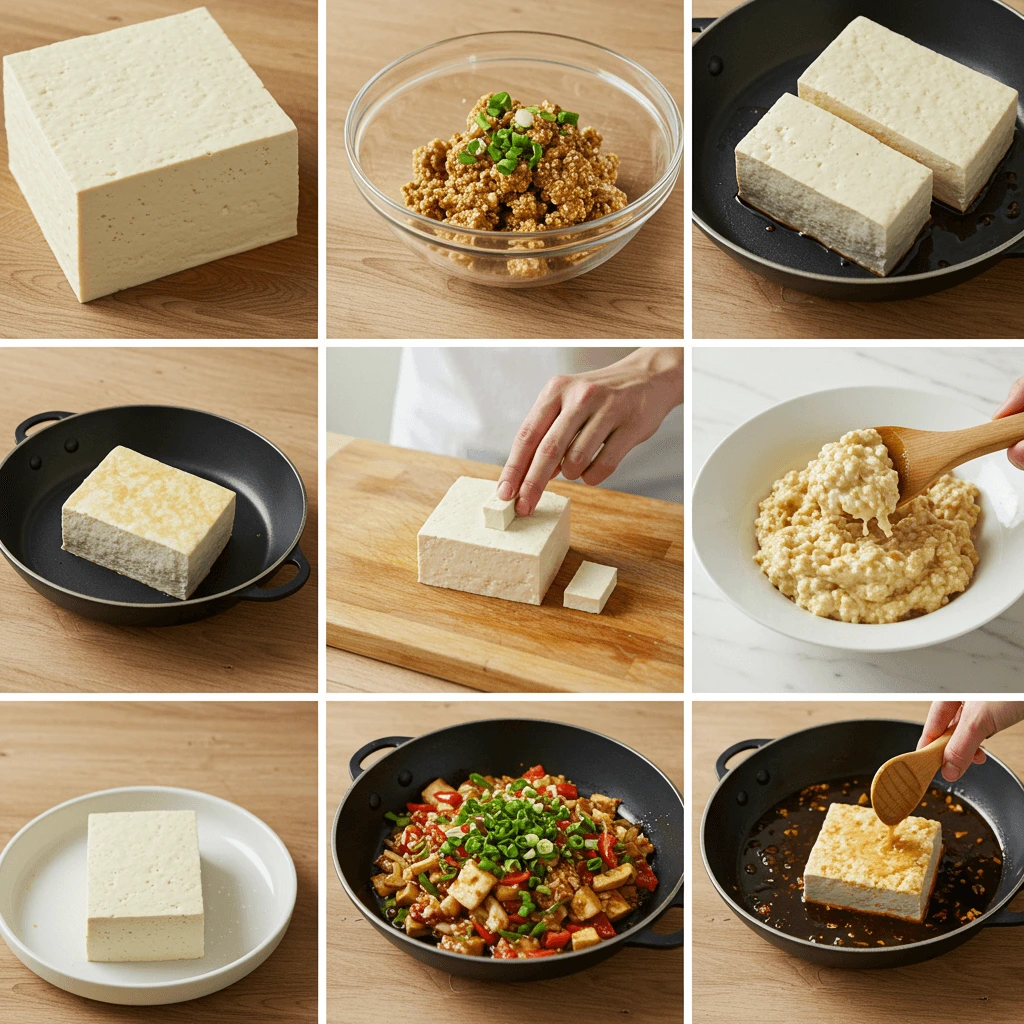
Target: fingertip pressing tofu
[[590, 588], [144, 890], [949, 117], [148, 149], [855, 863], [472, 886], [812, 171], [498, 513], [148, 521], [457, 551]]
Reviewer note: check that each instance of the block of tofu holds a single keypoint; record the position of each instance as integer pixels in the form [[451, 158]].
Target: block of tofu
[[590, 588], [154, 523], [144, 887], [856, 864], [455, 549], [147, 150], [814, 172], [944, 115], [498, 513], [473, 885]]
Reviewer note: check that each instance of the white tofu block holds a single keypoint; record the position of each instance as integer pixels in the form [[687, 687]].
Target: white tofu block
[[147, 150], [946, 116], [590, 587], [857, 864], [144, 887], [456, 550], [154, 523], [814, 172], [498, 514]]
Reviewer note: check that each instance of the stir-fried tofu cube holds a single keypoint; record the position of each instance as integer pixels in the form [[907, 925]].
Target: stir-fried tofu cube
[[457, 944], [407, 895], [585, 903], [451, 907], [383, 885], [615, 906], [437, 786], [492, 915], [604, 803], [506, 892], [585, 938], [415, 929], [472, 886], [613, 879]]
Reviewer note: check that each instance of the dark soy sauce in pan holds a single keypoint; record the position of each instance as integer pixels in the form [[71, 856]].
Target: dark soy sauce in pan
[[774, 855]]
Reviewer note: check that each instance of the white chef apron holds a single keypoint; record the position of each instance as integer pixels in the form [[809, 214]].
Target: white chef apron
[[469, 403]]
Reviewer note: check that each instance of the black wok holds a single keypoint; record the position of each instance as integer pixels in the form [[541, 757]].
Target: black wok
[[781, 767], [594, 762], [745, 60], [39, 475]]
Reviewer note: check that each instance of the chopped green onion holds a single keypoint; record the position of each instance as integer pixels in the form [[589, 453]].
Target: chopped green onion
[[567, 117], [523, 929], [538, 930], [506, 166], [538, 152], [590, 844], [594, 864], [401, 915], [389, 903], [479, 780], [448, 877], [428, 884], [487, 865], [486, 125], [545, 848], [400, 820], [503, 100], [544, 889], [494, 153], [547, 115], [466, 158], [511, 936], [513, 865], [574, 842]]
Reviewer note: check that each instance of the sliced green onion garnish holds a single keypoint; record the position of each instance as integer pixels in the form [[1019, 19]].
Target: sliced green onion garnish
[[594, 864], [487, 865], [494, 153], [401, 915], [511, 936], [466, 158], [428, 884], [479, 780], [544, 889], [538, 929], [590, 844], [568, 117], [486, 125], [506, 166]]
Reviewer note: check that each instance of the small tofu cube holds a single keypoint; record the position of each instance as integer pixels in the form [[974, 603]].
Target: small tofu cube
[[437, 786], [615, 907], [407, 895], [472, 886], [415, 929], [590, 588], [383, 885], [450, 906], [856, 864], [585, 938], [614, 878], [498, 514], [492, 915], [585, 903]]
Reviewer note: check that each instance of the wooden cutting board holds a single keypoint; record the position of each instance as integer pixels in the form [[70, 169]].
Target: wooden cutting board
[[379, 497]]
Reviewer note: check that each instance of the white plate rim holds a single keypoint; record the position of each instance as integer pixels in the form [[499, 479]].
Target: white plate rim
[[28, 957]]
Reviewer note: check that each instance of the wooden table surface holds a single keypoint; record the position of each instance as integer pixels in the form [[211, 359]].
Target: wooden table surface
[[251, 647], [637, 984], [730, 301], [736, 973], [270, 292], [381, 495], [262, 756], [636, 294]]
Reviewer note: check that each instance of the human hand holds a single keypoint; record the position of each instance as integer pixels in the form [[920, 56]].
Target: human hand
[[618, 406], [975, 721], [1014, 403]]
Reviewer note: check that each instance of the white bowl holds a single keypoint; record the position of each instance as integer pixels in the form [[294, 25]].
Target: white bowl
[[740, 473], [249, 886]]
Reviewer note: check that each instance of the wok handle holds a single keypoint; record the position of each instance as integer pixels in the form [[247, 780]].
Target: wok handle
[[295, 584], [1006, 918], [649, 939], [22, 429], [355, 764], [699, 24], [727, 755]]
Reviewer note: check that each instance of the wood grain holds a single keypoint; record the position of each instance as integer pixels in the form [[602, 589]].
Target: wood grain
[[734, 969], [730, 301], [637, 984], [270, 292], [262, 756], [248, 648], [379, 498], [637, 294]]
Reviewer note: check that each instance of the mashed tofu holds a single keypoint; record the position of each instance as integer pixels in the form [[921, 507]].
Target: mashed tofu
[[831, 539], [857, 863]]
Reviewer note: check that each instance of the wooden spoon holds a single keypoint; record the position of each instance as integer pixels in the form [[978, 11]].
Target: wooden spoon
[[899, 784], [920, 457]]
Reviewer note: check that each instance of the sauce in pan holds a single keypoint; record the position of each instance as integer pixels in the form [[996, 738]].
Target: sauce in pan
[[774, 855]]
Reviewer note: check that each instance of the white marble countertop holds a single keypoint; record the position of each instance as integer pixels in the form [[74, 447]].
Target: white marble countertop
[[731, 652]]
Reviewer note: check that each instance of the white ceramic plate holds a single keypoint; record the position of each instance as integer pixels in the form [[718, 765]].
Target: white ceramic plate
[[249, 886], [740, 473]]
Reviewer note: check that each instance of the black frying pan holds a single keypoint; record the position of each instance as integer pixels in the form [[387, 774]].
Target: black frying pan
[[502, 746], [38, 476], [743, 62], [781, 767]]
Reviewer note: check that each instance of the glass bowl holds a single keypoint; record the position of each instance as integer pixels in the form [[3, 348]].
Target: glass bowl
[[428, 94]]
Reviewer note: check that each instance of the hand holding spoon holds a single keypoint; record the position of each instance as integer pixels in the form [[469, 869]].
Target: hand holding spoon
[[920, 457], [899, 784]]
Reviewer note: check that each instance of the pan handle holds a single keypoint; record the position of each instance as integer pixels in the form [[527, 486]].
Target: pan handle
[[295, 584], [22, 429], [1006, 918], [355, 764], [727, 755], [652, 940], [699, 24]]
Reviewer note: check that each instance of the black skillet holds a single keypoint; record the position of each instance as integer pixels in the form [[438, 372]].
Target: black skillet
[[745, 60], [781, 767], [38, 476], [503, 746]]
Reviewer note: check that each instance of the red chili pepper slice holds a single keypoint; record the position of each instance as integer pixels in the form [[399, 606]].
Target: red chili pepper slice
[[556, 940], [516, 879], [646, 878], [563, 823], [534, 953], [504, 951], [606, 848], [566, 789], [421, 807], [516, 919], [451, 860], [435, 832], [571, 928], [536, 772], [453, 800], [461, 851], [602, 925], [484, 934], [586, 875]]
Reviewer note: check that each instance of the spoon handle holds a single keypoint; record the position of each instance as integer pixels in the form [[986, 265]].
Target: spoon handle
[[991, 437], [937, 747]]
